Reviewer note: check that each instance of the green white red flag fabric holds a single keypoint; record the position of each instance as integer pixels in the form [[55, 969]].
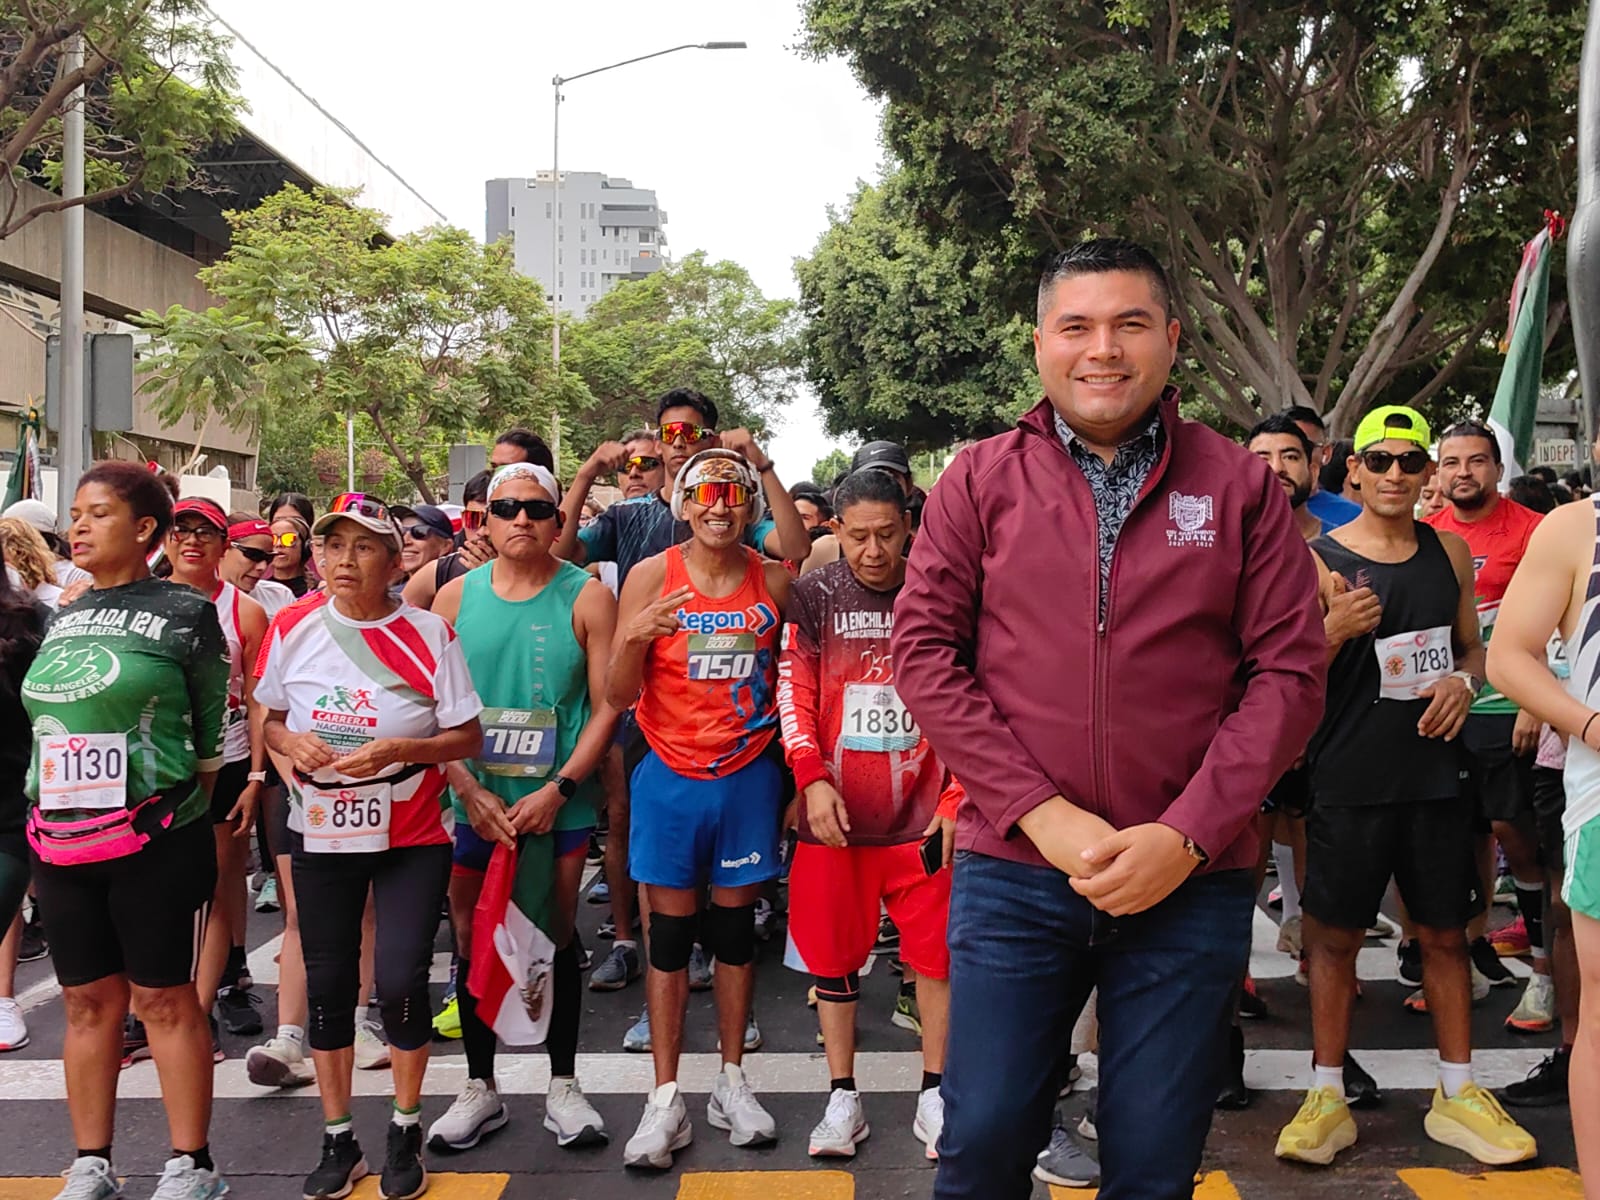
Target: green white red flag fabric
[[25, 481], [1516, 397], [512, 957]]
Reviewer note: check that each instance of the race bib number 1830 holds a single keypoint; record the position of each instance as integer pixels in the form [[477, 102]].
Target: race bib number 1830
[[876, 720]]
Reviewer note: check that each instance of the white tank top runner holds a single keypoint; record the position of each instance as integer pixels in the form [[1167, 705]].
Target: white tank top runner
[[1582, 774], [235, 720]]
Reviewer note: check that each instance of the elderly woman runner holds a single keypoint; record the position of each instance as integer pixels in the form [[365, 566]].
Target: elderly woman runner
[[368, 697]]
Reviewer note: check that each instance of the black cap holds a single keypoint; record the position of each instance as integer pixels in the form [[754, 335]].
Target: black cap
[[434, 518], [884, 456]]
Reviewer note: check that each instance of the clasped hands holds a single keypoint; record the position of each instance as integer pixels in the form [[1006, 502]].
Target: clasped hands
[[1119, 871]]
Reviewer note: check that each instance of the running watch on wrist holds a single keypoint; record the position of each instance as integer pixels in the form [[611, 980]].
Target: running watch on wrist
[[1474, 684], [256, 777], [567, 787]]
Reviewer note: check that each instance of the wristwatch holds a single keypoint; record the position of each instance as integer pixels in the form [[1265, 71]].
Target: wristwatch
[[1194, 851], [1474, 684], [256, 777], [567, 787]]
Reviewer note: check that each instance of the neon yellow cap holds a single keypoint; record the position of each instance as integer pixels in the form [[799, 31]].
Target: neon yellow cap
[[1392, 422]]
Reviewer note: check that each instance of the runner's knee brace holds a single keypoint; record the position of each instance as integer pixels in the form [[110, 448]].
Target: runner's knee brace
[[671, 941], [730, 933], [839, 989]]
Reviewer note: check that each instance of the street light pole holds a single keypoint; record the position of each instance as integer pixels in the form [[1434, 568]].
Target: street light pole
[[72, 435], [555, 212]]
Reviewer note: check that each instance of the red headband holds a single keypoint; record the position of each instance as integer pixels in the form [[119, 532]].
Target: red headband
[[246, 529]]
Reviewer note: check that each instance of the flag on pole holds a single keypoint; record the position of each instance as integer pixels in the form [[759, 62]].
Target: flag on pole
[[24, 482], [513, 959], [1516, 397]]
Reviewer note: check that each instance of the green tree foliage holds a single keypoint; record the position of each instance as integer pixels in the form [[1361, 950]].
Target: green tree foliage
[[159, 89], [1341, 192], [904, 338], [828, 468], [430, 338], [694, 323]]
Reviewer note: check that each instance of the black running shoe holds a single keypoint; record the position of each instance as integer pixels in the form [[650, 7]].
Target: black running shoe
[[1233, 1095], [34, 945], [1360, 1089], [342, 1167], [1408, 963], [1545, 1086], [238, 1009], [1489, 965], [404, 1176]]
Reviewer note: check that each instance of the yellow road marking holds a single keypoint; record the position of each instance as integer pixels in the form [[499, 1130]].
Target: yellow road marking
[[1212, 1186], [1545, 1183], [767, 1185], [30, 1189], [449, 1185]]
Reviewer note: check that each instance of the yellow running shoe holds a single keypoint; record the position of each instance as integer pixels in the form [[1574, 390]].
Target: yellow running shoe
[[1321, 1129], [1473, 1121], [447, 1023]]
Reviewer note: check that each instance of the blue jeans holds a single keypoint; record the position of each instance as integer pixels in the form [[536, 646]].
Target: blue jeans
[[1025, 950]]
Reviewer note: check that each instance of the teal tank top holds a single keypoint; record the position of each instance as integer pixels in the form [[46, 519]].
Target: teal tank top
[[532, 676]]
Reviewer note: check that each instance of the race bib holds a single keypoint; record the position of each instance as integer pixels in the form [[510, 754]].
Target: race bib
[[875, 720], [722, 655], [83, 770], [518, 742], [347, 820], [1555, 655], [1410, 662]]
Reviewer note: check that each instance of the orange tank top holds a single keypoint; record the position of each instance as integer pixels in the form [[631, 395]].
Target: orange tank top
[[709, 704]]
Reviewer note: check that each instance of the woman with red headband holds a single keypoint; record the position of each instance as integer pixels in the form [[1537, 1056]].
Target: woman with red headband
[[196, 543], [248, 563]]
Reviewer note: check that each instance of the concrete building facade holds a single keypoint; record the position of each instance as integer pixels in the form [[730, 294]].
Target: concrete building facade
[[607, 230]]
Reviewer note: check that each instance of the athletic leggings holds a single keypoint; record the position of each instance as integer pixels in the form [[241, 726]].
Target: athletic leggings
[[13, 882], [408, 888]]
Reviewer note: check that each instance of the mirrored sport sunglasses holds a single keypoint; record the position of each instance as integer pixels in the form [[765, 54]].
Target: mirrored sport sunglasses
[[1412, 462], [472, 519], [286, 540], [255, 554], [537, 510], [683, 431], [734, 495], [360, 504], [641, 462]]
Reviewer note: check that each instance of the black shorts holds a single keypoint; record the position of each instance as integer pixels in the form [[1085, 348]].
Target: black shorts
[[1425, 845], [1549, 806], [232, 779], [143, 916], [1502, 782], [278, 805], [1291, 795]]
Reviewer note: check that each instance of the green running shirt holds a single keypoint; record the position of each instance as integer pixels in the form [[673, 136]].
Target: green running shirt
[[146, 660], [524, 656]]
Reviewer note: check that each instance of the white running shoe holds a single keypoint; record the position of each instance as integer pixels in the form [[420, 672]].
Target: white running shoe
[[279, 1062], [267, 897], [663, 1130], [1536, 1011], [182, 1180], [569, 1115], [734, 1107], [13, 1029], [372, 1053], [89, 1179], [929, 1122], [1290, 937], [841, 1127], [474, 1114]]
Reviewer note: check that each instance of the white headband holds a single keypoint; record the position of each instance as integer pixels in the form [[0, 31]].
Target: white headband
[[525, 470]]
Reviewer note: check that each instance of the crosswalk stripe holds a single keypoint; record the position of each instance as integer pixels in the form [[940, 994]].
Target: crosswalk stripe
[[1374, 964], [1544, 1183]]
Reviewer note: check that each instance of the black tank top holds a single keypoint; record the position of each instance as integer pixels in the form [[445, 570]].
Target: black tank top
[[1367, 749]]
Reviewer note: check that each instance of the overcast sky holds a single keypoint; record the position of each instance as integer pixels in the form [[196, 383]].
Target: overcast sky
[[745, 149]]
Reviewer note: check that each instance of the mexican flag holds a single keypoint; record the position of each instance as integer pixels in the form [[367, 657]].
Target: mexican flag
[[24, 482], [1516, 397], [513, 959]]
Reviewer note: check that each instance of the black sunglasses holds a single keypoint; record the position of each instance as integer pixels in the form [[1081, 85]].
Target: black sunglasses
[[1412, 462], [421, 533], [253, 554], [537, 510]]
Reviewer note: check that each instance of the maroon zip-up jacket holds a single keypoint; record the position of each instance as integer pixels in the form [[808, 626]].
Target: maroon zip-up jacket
[[1198, 691]]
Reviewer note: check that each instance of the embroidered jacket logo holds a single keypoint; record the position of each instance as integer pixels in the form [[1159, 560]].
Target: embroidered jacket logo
[[756, 619], [1191, 515]]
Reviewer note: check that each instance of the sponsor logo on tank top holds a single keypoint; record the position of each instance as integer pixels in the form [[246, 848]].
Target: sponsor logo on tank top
[[1191, 515], [756, 619], [66, 673]]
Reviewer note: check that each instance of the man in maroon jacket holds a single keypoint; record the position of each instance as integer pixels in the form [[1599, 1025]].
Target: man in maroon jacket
[[1111, 623]]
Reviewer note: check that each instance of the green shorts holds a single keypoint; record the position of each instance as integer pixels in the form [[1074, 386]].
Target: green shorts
[[1580, 886]]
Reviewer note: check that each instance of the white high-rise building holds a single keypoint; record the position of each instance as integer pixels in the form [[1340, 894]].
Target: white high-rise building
[[607, 230]]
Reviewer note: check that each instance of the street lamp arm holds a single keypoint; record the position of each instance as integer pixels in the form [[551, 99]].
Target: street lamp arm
[[560, 79]]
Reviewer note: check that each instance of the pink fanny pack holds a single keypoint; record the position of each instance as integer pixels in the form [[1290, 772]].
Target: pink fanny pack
[[107, 835]]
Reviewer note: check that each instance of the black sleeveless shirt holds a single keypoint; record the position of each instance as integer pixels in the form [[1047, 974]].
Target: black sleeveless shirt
[[1367, 749]]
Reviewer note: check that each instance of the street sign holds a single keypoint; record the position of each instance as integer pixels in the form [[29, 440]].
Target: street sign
[[107, 381], [1555, 452]]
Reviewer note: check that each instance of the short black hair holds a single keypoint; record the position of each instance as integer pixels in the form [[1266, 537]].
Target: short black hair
[[1299, 412], [1097, 256], [683, 397], [808, 490], [1284, 425], [1533, 492], [138, 487], [476, 489], [1548, 474], [533, 447], [1473, 429], [1332, 476], [869, 484], [298, 501]]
